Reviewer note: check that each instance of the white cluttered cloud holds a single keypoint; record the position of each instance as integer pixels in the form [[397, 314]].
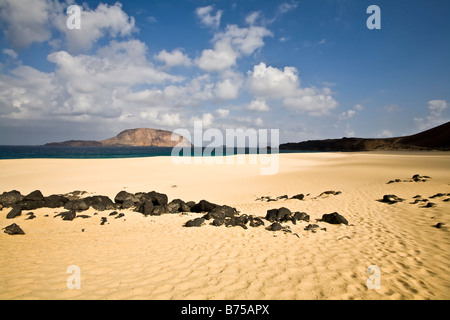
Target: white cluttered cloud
[[103, 72], [266, 82]]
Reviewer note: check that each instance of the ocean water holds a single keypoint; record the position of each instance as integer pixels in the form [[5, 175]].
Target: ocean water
[[53, 152]]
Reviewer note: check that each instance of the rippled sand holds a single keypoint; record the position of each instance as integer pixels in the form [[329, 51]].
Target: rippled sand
[[155, 257]]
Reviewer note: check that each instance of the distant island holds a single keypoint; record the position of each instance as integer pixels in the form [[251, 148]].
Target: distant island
[[141, 137], [437, 138]]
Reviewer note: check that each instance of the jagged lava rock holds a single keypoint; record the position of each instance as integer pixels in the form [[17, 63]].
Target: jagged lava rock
[[10, 198], [13, 229]]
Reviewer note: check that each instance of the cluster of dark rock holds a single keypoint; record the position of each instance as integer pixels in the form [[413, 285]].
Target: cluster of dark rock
[[415, 178], [392, 198], [277, 216], [222, 215], [438, 195], [284, 215], [299, 196], [153, 204], [418, 199], [228, 216]]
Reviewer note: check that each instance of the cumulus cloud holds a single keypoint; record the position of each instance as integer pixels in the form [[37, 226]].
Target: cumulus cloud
[[350, 113], [174, 58], [266, 82], [244, 40], [347, 114], [287, 6], [11, 53], [252, 17], [83, 87], [436, 107], [190, 93], [170, 119], [25, 93], [220, 58], [269, 82], [231, 44], [227, 89], [207, 18], [118, 85], [435, 117], [29, 21], [314, 101], [26, 21], [95, 24], [207, 120], [258, 105]]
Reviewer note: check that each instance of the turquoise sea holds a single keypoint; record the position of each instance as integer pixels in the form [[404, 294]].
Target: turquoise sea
[[52, 152]]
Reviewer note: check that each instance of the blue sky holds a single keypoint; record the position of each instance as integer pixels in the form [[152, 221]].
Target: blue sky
[[310, 68]]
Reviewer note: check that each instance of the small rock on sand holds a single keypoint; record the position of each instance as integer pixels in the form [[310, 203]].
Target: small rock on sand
[[197, 222], [13, 229]]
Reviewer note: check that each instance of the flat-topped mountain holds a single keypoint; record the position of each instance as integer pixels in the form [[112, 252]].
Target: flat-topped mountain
[[437, 138], [141, 137]]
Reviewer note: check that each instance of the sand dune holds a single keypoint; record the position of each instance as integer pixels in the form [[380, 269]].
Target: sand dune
[[139, 257]]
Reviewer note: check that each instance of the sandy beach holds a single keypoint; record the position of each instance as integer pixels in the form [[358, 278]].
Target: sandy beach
[[155, 257]]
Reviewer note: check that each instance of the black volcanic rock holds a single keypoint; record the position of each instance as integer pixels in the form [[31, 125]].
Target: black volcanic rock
[[300, 196], [15, 212], [100, 203], [10, 198], [13, 229], [272, 215], [78, 205], [284, 214], [391, 199], [255, 221], [31, 205], [123, 196], [300, 216], [311, 227], [203, 206], [34, 196], [158, 199], [146, 208], [32, 201], [197, 222], [218, 222], [279, 215], [67, 216], [334, 218], [327, 193], [55, 201], [221, 212], [31, 216], [177, 205], [275, 227]]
